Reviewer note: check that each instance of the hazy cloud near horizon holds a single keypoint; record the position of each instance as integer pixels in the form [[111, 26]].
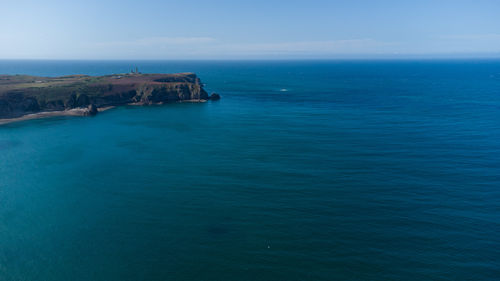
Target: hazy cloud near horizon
[[154, 47], [154, 29]]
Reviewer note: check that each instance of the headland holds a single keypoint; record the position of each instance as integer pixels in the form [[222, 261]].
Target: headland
[[24, 97]]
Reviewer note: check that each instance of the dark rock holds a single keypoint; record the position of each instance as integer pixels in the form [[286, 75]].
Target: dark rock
[[203, 94], [82, 100], [30, 105], [215, 96], [16, 104], [55, 105], [92, 110], [70, 102]]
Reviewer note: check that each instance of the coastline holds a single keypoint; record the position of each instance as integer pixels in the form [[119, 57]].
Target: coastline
[[24, 97], [83, 111], [48, 114]]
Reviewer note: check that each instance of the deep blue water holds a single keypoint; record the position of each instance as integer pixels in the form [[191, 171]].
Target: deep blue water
[[346, 170]]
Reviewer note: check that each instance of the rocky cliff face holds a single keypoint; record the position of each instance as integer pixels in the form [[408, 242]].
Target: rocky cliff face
[[16, 104], [21, 95]]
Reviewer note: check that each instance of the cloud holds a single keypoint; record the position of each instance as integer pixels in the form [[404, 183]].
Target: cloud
[[320, 47], [156, 41], [208, 47]]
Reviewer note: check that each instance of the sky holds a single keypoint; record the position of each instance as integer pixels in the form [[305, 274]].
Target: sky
[[256, 29]]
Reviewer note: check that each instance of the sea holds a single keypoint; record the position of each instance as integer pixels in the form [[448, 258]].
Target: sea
[[304, 170]]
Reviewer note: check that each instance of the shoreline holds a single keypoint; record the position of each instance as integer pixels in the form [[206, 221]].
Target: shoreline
[[25, 97], [81, 111], [47, 114]]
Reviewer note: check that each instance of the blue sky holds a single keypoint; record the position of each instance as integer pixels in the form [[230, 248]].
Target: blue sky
[[257, 29]]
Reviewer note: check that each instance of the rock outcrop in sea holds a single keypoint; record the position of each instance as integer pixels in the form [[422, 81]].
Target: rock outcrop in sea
[[215, 96]]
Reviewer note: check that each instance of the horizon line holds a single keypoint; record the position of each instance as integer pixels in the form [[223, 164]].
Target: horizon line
[[332, 58]]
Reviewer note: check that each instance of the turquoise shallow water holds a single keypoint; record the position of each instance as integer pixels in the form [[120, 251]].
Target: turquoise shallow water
[[351, 170]]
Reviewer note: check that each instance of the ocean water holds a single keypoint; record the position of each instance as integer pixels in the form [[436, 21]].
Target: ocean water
[[304, 170]]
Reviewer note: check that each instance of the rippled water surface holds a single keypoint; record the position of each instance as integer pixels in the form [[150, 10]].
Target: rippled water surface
[[347, 170]]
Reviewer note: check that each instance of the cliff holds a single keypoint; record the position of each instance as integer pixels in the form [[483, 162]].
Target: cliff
[[21, 95]]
